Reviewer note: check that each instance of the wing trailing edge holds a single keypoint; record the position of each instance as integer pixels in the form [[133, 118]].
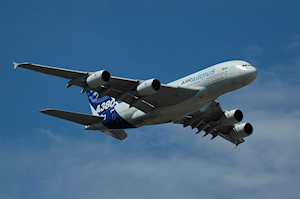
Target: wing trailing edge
[[207, 120]]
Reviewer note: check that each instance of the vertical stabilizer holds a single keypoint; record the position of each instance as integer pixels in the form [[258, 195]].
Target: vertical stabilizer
[[100, 105]]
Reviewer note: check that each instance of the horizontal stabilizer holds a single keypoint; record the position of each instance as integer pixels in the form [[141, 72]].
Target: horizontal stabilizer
[[119, 134], [79, 118]]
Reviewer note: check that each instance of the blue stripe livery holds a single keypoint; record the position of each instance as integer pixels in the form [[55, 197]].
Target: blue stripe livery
[[114, 121], [101, 104], [104, 106]]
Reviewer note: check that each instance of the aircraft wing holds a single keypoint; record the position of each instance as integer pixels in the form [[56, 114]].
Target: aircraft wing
[[79, 118], [123, 89], [60, 72], [207, 119]]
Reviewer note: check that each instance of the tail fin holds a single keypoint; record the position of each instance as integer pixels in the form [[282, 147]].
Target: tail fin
[[100, 105]]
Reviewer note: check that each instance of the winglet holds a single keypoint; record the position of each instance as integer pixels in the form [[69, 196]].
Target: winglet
[[15, 65]]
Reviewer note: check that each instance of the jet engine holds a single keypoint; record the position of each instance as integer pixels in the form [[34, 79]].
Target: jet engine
[[231, 117], [241, 130], [98, 78], [148, 87]]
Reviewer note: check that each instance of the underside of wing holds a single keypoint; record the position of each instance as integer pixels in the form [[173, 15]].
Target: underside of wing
[[123, 89], [79, 118], [60, 72], [214, 121], [166, 96]]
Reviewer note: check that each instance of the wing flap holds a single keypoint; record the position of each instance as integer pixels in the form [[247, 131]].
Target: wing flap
[[79, 118], [167, 96], [206, 119]]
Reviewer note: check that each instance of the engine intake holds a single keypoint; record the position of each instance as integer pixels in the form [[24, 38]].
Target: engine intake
[[241, 130], [98, 78], [148, 87], [231, 117]]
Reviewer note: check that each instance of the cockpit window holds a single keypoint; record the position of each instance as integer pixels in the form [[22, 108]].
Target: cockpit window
[[246, 65]]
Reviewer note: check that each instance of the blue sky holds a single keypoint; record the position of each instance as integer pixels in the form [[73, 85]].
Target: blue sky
[[44, 157]]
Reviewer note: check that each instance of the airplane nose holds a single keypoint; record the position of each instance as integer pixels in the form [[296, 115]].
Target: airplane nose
[[251, 74]]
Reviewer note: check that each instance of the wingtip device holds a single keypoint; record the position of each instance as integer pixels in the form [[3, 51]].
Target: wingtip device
[[15, 65]]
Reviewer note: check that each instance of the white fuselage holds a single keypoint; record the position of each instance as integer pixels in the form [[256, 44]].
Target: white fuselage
[[211, 82]]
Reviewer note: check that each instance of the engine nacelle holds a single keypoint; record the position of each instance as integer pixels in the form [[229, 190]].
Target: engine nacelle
[[241, 130], [231, 117], [98, 78], [148, 87]]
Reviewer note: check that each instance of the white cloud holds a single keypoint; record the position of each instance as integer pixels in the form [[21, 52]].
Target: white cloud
[[51, 135], [171, 163]]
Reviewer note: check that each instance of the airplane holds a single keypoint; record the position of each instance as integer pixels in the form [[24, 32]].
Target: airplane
[[119, 103]]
